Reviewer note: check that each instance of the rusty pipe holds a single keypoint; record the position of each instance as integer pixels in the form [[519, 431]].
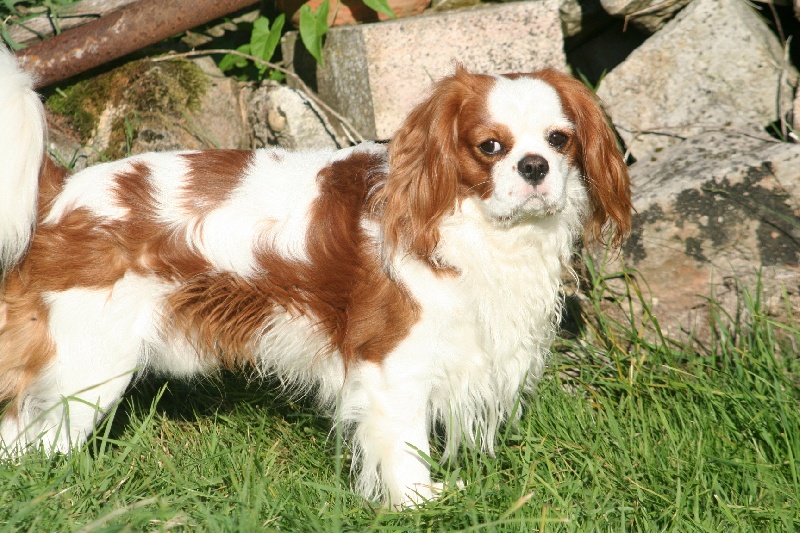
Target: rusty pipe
[[117, 34]]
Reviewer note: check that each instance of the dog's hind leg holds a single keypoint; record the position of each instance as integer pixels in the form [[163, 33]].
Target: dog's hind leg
[[100, 338]]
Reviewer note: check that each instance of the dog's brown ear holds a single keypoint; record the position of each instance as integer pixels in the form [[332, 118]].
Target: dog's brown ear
[[599, 158], [423, 181]]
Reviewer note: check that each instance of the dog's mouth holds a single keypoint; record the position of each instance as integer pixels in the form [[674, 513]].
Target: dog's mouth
[[534, 205]]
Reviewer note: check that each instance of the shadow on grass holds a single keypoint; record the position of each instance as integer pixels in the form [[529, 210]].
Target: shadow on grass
[[190, 401]]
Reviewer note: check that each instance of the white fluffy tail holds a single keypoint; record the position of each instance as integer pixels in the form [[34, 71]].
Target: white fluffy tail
[[22, 144]]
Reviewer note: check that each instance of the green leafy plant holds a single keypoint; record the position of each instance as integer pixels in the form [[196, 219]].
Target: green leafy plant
[[314, 24], [264, 41]]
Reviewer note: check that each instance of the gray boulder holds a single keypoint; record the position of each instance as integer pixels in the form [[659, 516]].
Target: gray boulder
[[715, 66], [216, 123], [714, 215], [64, 147]]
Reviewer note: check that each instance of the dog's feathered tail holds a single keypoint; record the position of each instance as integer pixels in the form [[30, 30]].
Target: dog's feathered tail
[[22, 145]]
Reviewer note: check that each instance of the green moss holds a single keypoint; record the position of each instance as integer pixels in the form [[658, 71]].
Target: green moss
[[168, 89]]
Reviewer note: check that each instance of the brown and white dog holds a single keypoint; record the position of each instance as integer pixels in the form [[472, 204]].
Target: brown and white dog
[[405, 287]]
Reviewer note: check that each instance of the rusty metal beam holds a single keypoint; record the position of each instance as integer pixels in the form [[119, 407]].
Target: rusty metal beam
[[141, 24]]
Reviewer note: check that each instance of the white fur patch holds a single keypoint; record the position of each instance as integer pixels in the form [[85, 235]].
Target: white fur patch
[[22, 137]]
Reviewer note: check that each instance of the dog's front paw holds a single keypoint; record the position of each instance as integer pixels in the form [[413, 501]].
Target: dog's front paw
[[421, 494], [438, 488], [416, 495]]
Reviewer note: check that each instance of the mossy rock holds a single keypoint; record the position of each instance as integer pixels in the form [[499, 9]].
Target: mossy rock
[[137, 106]]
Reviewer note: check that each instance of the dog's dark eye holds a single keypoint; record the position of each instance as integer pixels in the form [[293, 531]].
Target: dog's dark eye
[[491, 147], [557, 139]]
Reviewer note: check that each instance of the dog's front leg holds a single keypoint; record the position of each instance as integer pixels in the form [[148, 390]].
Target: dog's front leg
[[391, 437]]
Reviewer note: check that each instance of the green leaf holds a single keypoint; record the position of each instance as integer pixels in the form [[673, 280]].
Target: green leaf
[[259, 36], [381, 6], [264, 40], [322, 18], [274, 38], [313, 27], [233, 61]]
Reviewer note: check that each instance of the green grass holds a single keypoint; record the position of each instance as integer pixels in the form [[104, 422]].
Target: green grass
[[639, 435]]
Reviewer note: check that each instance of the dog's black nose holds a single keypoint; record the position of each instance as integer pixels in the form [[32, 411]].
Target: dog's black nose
[[533, 168]]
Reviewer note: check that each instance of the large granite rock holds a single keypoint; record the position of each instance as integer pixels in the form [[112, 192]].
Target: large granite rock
[[715, 66], [715, 214]]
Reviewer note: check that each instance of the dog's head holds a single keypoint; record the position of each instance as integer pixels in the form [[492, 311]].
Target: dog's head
[[517, 143]]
